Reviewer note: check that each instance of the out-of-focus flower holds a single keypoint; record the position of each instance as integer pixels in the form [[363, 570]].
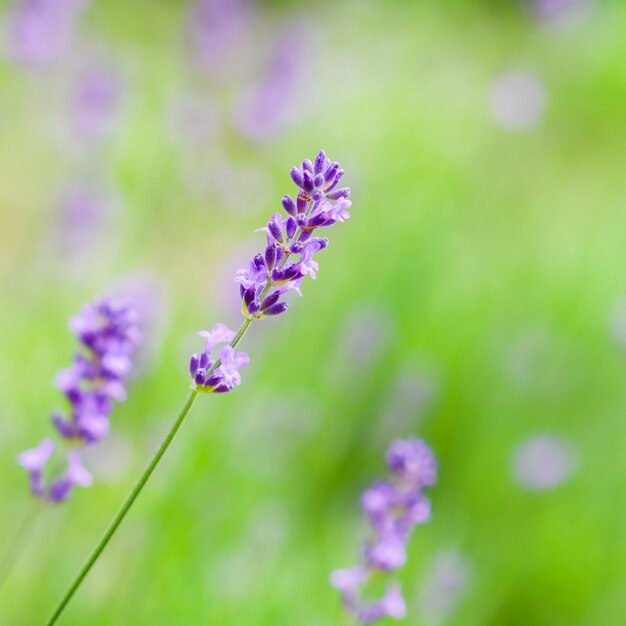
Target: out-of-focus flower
[[217, 30], [518, 100], [543, 462], [560, 12], [266, 107], [40, 32], [95, 103], [393, 509], [109, 333], [447, 579]]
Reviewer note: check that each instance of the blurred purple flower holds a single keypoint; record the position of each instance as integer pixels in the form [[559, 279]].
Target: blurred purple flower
[[109, 333], [447, 579], [217, 30], [40, 32], [393, 509], [265, 108], [34, 462], [559, 11], [83, 215], [95, 103], [543, 462], [518, 100]]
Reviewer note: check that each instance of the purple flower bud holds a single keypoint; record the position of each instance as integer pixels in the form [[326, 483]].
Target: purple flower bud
[[194, 363], [270, 256], [302, 202], [305, 235], [205, 361], [344, 192], [270, 300], [213, 380], [330, 172], [259, 262], [302, 220], [307, 184], [335, 181], [275, 230], [296, 247], [318, 181], [291, 227], [199, 376], [296, 176], [276, 309], [317, 220], [291, 272], [254, 307], [249, 295], [307, 166], [289, 205], [321, 162]]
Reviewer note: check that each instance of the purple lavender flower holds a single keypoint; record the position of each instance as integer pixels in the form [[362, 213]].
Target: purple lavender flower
[[109, 333], [95, 103], [267, 106], [544, 462], [216, 30], [222, 375], [34, 462], [288, 256], [393, 509], [40, 31]]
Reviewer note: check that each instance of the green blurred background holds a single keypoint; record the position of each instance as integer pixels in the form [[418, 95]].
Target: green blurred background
[[474, 299]]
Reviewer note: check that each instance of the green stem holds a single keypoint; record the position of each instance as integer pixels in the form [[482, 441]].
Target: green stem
[[123, 510], [136, 490]]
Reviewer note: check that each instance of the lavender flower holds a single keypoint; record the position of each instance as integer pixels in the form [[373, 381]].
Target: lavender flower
[[40, 31], [95, 103], [108, 331], [222, 375], [288, 257], [393, 509]]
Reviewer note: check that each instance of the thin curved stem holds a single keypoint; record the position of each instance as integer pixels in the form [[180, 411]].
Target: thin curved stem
[[123, 510], [136, 490]]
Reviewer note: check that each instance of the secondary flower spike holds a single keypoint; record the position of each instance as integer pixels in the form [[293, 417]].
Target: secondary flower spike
[[108, 332], [287, 258], [393, 509]]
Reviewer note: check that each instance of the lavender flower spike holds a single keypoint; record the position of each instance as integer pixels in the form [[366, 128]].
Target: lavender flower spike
[[393, 509], [108, 333], [291, 246]]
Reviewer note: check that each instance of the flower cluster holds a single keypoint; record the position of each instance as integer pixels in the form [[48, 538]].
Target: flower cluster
[[109, 333], [222, 375], [286, 260], [393, 509], [291, 246], [41, 31]]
